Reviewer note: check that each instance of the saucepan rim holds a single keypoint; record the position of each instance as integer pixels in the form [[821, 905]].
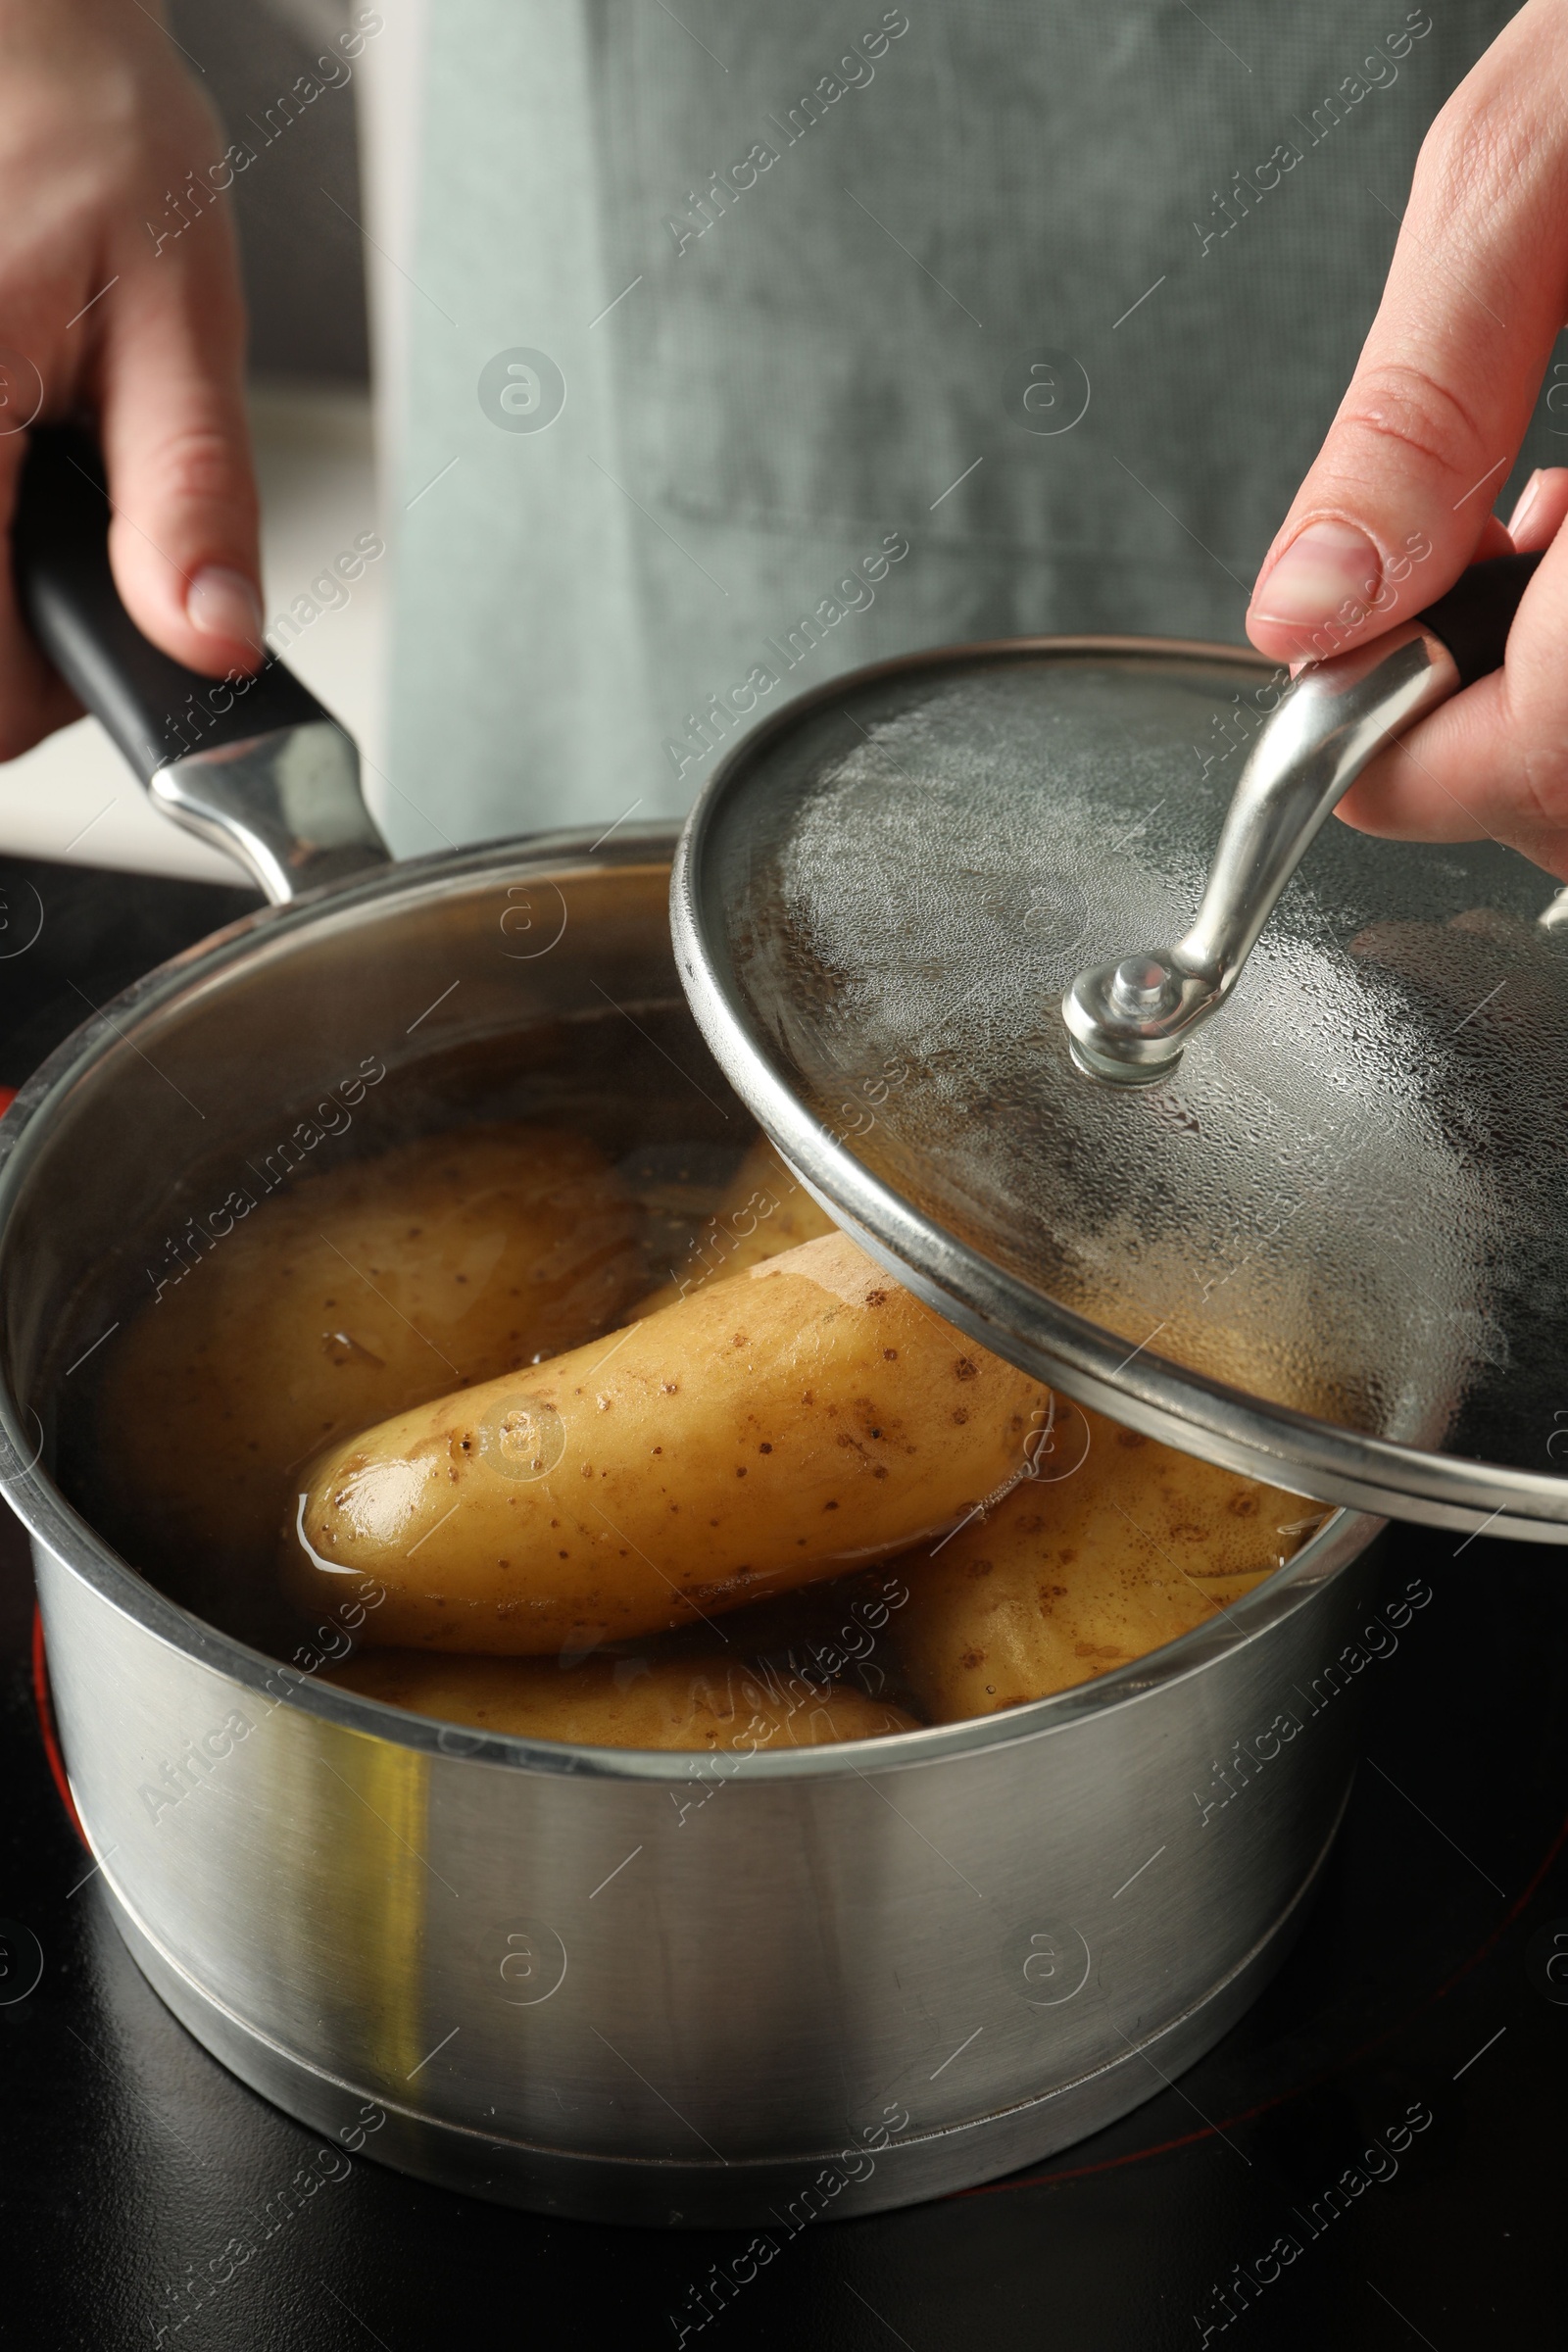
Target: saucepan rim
[[54, 1521]]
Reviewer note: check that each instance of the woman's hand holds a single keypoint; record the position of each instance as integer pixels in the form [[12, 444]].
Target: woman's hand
[[1427, 430], [109, 306]]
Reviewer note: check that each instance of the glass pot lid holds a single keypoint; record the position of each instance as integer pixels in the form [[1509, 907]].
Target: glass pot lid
[[1330, 1247]]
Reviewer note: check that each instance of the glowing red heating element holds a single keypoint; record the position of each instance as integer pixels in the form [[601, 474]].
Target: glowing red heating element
[[44, 1703]]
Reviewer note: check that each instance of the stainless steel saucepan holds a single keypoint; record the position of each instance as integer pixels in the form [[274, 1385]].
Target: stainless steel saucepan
[[624, 1986]]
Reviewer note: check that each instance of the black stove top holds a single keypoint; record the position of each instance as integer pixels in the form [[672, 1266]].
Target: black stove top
[[1374, 2157]]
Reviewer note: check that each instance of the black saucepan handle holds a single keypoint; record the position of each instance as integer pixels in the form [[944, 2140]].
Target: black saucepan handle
[[155, 709], [1474, 618]]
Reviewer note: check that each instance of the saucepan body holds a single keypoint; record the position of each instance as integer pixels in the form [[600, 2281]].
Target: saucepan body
[[661, 1989]]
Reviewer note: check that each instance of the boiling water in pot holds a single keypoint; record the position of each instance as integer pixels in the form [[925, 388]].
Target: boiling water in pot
[[542, 1398]]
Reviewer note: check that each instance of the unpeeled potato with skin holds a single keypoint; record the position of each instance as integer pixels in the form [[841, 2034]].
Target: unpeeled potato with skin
[[771, 1429], [1071, 1577], [345, 1298], [691, 1702], [764, 1212]]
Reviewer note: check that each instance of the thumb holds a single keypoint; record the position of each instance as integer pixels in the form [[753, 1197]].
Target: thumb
[[1400, 494], [184, 539]]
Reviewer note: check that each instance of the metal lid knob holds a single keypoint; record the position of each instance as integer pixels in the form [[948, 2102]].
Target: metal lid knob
[[1129, 1021]]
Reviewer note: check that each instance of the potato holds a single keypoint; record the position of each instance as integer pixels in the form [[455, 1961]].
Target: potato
[[764, 1212], [346, 1297], [1071, 1576], [709, 1701], [774, 1428]]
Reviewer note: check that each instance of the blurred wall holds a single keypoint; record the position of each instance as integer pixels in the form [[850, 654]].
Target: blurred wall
[[298, 204]]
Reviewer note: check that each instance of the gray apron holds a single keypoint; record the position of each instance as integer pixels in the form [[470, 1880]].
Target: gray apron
[[752, 348]]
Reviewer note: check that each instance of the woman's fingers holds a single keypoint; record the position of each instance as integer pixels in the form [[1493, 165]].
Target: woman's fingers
[[1396, 504], [1495, 761], [184, 541], [1399, 498], [132, 323], [1541, 510]]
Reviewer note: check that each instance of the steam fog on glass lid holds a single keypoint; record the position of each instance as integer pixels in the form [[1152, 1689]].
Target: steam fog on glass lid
[[1328, 1248]]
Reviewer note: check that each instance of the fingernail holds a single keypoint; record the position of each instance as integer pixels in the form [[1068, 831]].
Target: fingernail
[[1329, 564], [221, 603], [1527, 499]]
